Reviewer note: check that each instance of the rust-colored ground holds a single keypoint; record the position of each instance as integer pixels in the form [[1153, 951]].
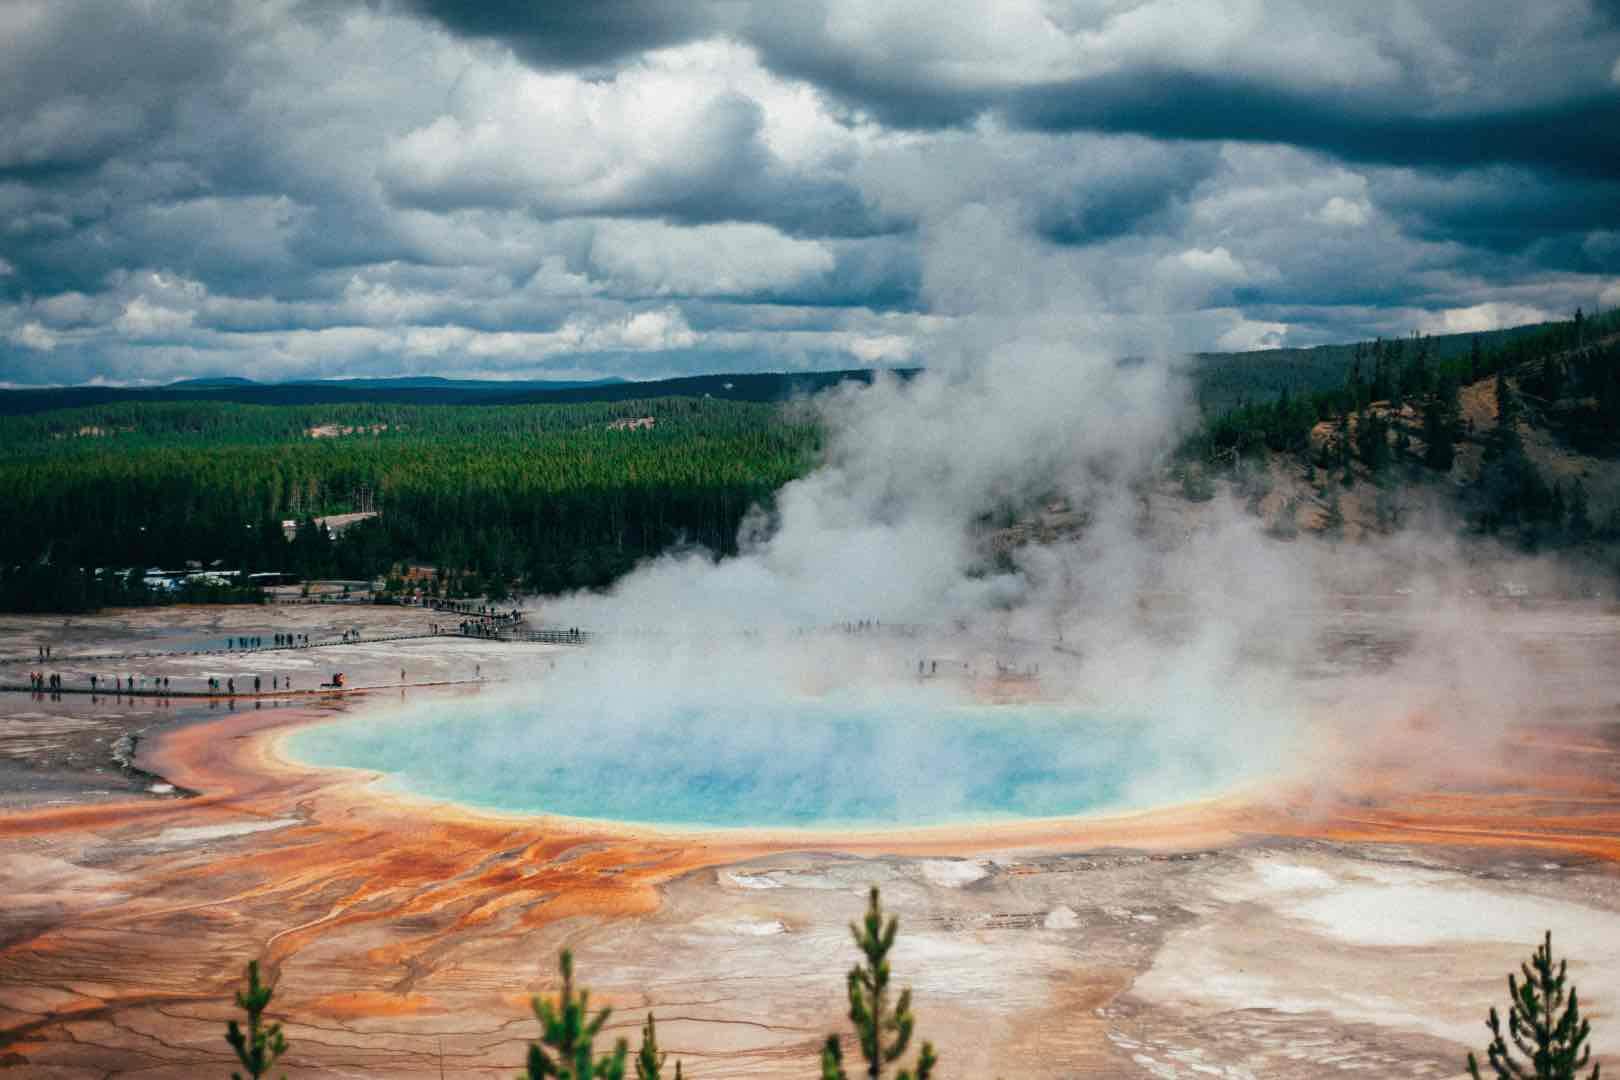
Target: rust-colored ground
[[122, 941], [405, 937]]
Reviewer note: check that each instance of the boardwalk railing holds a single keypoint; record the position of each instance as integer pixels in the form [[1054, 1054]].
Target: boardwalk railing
[[549, 637]]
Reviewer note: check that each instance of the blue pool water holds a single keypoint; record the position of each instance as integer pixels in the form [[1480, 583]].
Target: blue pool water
[[794, 764]]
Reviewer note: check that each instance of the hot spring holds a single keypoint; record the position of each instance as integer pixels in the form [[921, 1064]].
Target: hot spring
[[791, 763]]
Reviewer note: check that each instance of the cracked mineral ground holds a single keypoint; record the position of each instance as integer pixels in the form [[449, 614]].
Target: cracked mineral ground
[[1354, 919]]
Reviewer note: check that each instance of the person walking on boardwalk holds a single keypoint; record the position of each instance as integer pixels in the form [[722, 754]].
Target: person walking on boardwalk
[[255, 684], [230, 686]]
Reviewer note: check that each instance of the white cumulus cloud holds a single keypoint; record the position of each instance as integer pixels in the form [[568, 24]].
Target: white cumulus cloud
[[704, 260], [1342, 211], [1491, 315]]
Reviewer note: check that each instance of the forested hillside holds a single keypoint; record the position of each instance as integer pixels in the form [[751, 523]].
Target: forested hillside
[[1225, 381], [546, 497], [1522, 440], [571, 493], [767, 386]]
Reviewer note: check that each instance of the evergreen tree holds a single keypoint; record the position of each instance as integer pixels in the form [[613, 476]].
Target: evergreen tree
[[1355, 385], [1417, 377], [260, 1045], [1372, 439], [570, 1032], [883, 1034], [1547, 1034], [1439, 437], [650, 1060]]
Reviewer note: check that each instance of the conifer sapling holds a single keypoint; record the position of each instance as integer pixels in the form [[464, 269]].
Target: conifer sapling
[[1551, 1042], [650, 1060], [259, 1046], [569, 1030], [883, 1034]]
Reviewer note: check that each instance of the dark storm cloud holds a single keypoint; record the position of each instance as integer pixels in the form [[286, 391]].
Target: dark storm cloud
[[1101, 207], [1577, 135], [575, 33], [80, 84], [1530, 102], [1501, 208]]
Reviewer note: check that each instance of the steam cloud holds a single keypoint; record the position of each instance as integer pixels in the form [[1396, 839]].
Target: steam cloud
[[1190, 617]]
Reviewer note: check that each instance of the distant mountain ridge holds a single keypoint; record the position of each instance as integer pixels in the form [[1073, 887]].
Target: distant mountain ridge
[[433, 390], [408, 382], [1223, 381]]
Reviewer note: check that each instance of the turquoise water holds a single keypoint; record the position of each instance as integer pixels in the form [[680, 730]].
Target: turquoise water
[[794, 764]]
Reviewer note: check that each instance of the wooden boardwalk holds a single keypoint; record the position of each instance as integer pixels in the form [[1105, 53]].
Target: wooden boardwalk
[[244, 695], [549, 637]]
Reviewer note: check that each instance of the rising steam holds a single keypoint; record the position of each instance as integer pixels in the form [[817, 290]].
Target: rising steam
[[1133, 603]]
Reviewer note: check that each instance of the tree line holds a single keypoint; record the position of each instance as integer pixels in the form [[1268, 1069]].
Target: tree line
[[542, 497]]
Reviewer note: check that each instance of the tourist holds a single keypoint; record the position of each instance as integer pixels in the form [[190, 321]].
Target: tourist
[[230, 686], [255, 684], [92, 684]]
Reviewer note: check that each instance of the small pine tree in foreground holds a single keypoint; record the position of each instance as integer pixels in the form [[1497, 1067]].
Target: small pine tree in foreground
[[258, 1047], [1550, 1041], [883, 1035], [650, 1061], [570, 1031]]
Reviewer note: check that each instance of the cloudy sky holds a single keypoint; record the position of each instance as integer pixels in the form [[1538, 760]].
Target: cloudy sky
[[519, 188]]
